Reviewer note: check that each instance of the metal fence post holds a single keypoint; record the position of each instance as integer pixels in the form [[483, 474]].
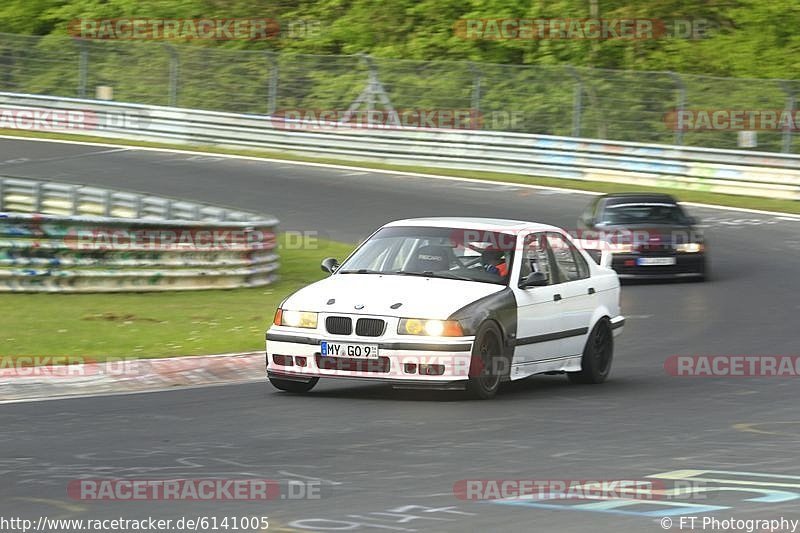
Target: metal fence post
[[577, 101], [83, 68], [681, 105], [174, 71], [272, 84], [477, 77], [787, 128]]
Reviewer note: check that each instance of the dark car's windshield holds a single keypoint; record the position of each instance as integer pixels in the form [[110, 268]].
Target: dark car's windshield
[[448, 253], [644, 213]]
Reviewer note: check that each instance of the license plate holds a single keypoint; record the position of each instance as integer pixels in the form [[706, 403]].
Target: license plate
[[342, 349], [655, 261]]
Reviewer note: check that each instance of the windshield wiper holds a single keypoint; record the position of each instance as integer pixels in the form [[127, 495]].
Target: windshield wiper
[[360, 271]]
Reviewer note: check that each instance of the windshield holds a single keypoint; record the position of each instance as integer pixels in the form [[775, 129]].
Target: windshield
[[449, 253], [644, 213]]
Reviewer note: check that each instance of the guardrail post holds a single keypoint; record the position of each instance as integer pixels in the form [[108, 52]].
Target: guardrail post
[[2, 195], [107, 200], [138, 206], [577, 101], [174, 71], [272, 84], [37, 197], [787, 128], [75, 200], [681, 105], [83, 68]]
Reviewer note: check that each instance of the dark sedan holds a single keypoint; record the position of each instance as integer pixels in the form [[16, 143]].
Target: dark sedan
[[649, 235]]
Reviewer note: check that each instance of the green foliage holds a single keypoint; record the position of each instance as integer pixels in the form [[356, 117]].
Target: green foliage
[[423, 62], [748, 38]]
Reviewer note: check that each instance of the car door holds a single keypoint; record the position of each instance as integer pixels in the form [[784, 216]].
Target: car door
[[538, 309], [573, 283]]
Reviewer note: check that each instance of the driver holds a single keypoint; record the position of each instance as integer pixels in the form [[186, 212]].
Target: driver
[[494, 262]]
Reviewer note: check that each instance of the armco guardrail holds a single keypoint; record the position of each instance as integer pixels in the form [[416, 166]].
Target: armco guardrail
[[760, 174], [57, 237]]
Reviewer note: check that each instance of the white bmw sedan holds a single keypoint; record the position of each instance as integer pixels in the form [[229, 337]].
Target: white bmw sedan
[[450, 303]]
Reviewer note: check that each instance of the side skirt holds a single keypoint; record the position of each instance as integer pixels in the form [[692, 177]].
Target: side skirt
[[570, 363]]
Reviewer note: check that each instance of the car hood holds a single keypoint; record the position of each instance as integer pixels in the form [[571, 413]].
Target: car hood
[[419, 297]]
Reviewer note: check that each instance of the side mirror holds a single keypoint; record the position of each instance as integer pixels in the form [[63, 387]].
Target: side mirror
[[329, 265], [534, 279], [692, 221], [588, 221]]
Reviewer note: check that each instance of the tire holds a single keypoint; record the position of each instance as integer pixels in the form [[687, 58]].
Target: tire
[[598, 355], [485, 371], [293, 386]]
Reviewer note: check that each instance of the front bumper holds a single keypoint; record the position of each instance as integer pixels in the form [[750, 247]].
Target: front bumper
[[433, 362], [686, 265]]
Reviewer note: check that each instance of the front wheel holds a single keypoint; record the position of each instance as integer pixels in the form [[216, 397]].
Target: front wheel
[[293, 386], [484, 370], [597, 355]]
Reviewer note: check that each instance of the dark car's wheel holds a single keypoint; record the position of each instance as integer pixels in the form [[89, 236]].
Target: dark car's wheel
[[485, 369], [597, 355], [293, 386]]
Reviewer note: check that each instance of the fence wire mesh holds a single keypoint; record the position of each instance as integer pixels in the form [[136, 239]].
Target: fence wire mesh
[[556, 100]]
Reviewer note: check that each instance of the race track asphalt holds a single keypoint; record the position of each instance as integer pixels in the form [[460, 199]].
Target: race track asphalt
[[387, 460]]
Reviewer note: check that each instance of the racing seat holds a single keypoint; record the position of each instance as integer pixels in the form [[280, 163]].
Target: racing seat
[[431, 259]]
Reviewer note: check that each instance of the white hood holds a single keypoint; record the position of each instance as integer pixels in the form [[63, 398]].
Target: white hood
[[421, 297]]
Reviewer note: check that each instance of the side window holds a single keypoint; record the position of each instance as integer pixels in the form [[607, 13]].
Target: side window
[[569, 263], [534, 257]]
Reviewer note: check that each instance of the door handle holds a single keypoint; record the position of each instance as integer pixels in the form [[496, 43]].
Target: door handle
[[591, 290], [556, 297]]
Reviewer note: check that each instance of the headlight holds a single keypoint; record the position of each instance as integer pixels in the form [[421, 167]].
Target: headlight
[[690, 247], [295, 319], [431, 328]]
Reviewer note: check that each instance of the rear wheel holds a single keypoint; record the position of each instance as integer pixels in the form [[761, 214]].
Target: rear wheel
[[293, 386], [485, 371], [597, 355]]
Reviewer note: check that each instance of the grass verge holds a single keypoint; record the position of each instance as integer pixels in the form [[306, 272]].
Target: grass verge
[[98, 326], [767, 204]]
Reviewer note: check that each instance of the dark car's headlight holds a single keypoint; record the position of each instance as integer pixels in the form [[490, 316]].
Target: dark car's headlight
[[431, 328], [690, 247]]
